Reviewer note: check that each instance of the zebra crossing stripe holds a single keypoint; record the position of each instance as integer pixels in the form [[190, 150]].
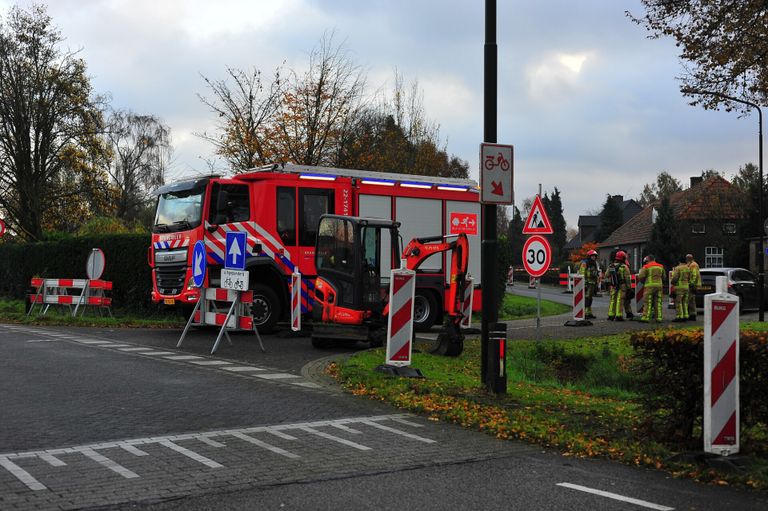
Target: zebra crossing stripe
[[264, 445], [52, 460], [108, 463], [333, 438], [190, 454], [398, 432], [21, 474], [133, 450]]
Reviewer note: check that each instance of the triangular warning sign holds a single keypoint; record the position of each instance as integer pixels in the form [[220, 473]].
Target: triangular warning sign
[[538, 221]]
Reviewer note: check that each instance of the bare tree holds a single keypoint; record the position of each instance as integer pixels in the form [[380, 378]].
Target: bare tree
[[244, 110], [320, 107], [141, 150], [47, 117]]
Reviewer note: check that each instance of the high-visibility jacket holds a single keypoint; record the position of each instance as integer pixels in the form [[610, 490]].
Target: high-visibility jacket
[[653, 274], [695, 274], [588, 269], [681, 276]]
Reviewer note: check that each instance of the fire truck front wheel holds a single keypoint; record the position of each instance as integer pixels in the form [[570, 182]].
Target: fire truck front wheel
[[265, 308], [425, 311]]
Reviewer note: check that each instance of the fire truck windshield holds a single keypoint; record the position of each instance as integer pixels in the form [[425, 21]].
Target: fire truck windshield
[[179, 210]]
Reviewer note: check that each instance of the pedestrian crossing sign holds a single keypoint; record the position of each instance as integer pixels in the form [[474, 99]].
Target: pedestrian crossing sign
[[538, 221]]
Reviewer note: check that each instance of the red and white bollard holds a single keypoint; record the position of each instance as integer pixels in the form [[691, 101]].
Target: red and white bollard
[[402, 288], [532, 283], [578, 297], [721, 371], [640, 297], [296, 301], [671, 296], [466, 303]]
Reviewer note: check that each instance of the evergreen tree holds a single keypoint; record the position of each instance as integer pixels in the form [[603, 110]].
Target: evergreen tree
[[554, 207], [664, 242], [611, 218], [515, 236]]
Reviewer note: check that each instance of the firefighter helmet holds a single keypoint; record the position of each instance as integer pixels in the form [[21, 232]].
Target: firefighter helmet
[[591, 253], [621, 256]]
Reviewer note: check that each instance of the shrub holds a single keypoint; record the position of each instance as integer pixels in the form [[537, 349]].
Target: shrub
[[670, 366]]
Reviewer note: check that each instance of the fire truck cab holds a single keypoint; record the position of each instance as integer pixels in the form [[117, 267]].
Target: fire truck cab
[[279, 208]]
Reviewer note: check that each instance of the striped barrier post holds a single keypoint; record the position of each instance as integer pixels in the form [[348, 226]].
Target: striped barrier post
[[721, 371], [566, 279], [402, 288], [640, 297], [532, 283], [296, 301], [578, 297], [466, 303]]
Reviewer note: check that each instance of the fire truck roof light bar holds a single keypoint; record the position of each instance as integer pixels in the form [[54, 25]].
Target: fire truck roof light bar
[[452, 188], [406, 184], [318, 177], [379, 182]]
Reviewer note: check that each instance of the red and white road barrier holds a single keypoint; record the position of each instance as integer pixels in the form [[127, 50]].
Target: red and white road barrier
[[566, 279], [296, 301], [402, 288], [58, 292], [640, 296], [671, 296], [578, 297], [532, 283], [721, 371], [237, 317], [466, 303]]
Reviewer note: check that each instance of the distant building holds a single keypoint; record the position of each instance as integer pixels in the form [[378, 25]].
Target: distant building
[[707, 216], [589, 225]]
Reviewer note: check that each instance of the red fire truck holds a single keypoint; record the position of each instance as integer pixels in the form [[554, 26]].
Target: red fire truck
[[279, 207]]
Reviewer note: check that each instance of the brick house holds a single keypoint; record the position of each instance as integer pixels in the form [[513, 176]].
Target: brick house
[[589, 225], [707, 216]]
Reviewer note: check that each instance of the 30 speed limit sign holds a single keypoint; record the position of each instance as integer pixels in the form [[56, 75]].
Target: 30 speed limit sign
[[537, 256]]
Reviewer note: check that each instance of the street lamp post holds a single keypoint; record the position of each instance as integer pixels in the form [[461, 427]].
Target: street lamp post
[[761, 254]]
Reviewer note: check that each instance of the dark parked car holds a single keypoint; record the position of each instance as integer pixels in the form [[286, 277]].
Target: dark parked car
[[741, 282]]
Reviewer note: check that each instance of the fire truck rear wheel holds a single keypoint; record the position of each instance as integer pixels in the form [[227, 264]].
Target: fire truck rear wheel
[[425, 311], [265, 308]]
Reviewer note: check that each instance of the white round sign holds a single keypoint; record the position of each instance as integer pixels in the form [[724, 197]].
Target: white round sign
[[95, 265], [537, 256]]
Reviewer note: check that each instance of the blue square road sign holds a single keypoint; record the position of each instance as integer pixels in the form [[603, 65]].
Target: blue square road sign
[[235, 251]]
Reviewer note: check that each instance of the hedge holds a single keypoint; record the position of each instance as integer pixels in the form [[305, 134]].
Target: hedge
[[126, 265], [670, 364]]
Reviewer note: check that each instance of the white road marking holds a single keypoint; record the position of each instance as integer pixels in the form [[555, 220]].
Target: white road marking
[[92, 341], [158, 353], [52, 460], [398, 432], [184, 357], [191, 454], [276, 376], [21, 474], [212, 443], [119, 345], [264, 445], [347, 429], [134, 349], [108, 463], [307, 384], [43, 340], [335, 438], [134, 450], [211, 362], [616, 496], [408, 423], [243, 369]]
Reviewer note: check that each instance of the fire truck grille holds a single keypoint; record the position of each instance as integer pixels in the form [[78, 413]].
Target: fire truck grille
[[170, 279]]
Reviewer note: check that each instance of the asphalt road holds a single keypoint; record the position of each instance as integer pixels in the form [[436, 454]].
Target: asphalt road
[[123, 419]]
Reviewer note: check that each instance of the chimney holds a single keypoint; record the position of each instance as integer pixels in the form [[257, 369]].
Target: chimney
[[696, 180]]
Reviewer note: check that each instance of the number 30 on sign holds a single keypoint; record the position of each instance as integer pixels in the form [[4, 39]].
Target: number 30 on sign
[[537, 256]]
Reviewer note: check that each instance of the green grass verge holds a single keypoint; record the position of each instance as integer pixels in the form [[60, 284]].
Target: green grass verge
[[577, 396], [521, 307], [12, 311]]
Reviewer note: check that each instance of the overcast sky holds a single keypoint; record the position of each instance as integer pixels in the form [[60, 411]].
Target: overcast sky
[[589, 102]]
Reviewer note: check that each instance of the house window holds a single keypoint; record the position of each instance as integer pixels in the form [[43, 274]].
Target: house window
[[713, 257], [698, 229], [729, 228]]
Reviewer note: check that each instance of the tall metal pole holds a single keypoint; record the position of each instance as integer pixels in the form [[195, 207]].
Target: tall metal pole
[[488, 250], [761, 245]]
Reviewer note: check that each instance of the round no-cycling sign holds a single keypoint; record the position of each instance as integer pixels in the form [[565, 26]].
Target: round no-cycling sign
[[537, 256]]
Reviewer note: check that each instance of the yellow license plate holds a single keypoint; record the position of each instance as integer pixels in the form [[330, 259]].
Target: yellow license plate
[[706, 289], [169, 301]]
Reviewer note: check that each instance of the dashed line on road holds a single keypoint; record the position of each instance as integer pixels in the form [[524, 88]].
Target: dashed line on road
[[616, 496]]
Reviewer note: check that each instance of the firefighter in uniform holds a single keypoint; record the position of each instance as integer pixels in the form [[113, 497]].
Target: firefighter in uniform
[[681, 279], [695, 284], [618, 280], [588, 270], [653, 276]]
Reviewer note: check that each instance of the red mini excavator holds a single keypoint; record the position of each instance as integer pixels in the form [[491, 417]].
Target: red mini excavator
[[354, 256]]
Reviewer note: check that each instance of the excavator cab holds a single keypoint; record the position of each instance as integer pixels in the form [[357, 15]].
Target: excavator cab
[[351, 286]]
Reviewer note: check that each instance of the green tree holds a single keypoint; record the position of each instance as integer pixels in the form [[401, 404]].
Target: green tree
[[515, 236], [664, 186], [48, 120], [611, 218], [723, 46], [664, 242], [554, 207], [747, 181]]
